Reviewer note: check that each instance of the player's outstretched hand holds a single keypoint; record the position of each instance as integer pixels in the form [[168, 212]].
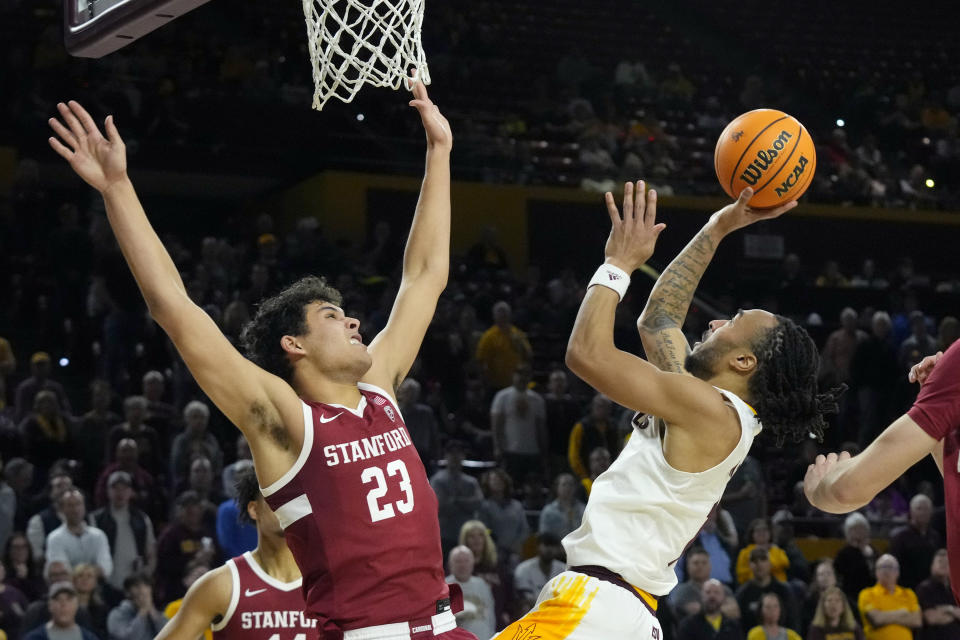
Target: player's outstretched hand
[[815, 474], [100, 161], [737, 215], [633, 237], [435, 125], [922, 370]]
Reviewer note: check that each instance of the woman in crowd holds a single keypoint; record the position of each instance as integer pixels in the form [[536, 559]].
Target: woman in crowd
[[475, 536], [22, 572], [769, 627], [834, 619]]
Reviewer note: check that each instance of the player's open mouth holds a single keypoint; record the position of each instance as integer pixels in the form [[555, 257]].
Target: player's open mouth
[[356, 339]]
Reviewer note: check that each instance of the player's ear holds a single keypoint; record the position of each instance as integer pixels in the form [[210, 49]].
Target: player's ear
[[291, 344], [252, 510], [743, 362]]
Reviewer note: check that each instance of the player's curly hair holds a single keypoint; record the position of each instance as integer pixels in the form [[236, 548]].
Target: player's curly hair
[[283, 315], [784, 387], [247, 489]]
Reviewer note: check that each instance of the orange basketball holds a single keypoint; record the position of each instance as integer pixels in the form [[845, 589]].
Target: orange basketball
[[769, 151]]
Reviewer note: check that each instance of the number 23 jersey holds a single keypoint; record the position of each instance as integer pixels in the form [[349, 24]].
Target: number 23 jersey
[[360, 517]]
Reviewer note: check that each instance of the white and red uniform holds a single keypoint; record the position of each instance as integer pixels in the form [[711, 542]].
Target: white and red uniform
[[361, 520], [263, 608]]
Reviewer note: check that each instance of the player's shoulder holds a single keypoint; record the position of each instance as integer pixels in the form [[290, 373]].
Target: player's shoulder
[[215, 585]]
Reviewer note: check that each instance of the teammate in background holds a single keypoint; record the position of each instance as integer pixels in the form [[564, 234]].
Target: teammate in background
[[704, 407], [316, 404], [838, 484], [253, 596]]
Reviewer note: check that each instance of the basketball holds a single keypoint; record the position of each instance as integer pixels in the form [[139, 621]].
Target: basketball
[[769, 151]]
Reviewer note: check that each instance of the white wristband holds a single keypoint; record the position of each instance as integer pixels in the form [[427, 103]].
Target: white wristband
[[612, 277]]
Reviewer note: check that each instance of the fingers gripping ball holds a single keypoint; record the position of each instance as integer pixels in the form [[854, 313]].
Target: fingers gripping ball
[[769, 151]]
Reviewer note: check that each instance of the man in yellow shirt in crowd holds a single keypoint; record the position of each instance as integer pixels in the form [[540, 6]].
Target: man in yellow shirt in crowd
[[889, 611], [502, 348]]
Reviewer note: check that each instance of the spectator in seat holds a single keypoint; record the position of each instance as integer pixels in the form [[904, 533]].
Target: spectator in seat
[[824, 577], [161, 415], [146, 492], [598, 462], [941, 615], [94, 427], [833, 618], [41, 524], [889, 611], [75, 542], [503, 513], [47, 431], [128, 529], [21, 570], [185, 540], [63, 605], [459, 495], [502, 348], [914, 544], [420, 421], [564, 513], [710, 623], [531, 575], [518, 420], [90, 598], [195, 440], [854, 561], [13, 604], [478, 615], [770, 628], [149, 453], [136, 618], [597, 429], [687, 597], [750, 593], [39, 380], [760, 536]]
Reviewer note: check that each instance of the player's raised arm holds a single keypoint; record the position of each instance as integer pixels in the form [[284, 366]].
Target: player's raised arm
[[426, 259], [661, 322], [839, 483], [591, 353], [206, 601], [247, 394]]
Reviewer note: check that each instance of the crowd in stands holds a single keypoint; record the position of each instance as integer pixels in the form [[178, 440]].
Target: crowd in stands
[[116, 489], [536, 93]]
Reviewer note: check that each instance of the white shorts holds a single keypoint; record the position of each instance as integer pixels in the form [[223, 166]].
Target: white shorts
[[575, 606]]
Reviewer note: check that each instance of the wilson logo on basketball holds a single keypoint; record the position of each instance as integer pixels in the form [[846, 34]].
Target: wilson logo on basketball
[[764, 159], [793, 177]]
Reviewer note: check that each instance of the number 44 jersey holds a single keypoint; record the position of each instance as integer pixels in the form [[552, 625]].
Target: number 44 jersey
[[360, 517]]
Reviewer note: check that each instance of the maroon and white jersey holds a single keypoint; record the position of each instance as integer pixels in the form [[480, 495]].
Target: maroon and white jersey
[[263, 608], [360, 517]]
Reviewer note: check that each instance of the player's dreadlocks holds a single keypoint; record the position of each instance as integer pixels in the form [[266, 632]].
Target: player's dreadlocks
[[784, 387], [283, 315]]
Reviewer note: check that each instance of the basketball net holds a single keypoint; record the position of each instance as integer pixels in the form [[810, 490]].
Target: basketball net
[[357, 42]]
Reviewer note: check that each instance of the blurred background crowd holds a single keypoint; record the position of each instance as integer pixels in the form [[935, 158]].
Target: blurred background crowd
[[104, 434]]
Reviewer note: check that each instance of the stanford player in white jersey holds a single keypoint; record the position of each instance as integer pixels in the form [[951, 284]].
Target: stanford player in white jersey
[[308, 361], [255, 596]]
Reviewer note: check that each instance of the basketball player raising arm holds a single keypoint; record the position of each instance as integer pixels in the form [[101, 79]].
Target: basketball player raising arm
[[708, 407], [315, 403]]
